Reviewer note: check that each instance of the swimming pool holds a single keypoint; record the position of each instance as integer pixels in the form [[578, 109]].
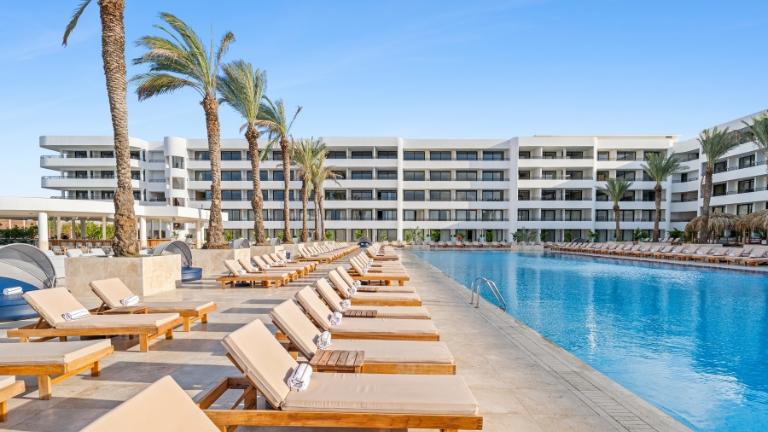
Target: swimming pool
[[692, 342]]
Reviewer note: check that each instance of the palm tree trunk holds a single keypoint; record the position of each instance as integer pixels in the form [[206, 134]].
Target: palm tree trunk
[[304, 199], [215, 223], [657, 216], [704, 230], [113, 57], [319, 235], [257, 201], [616, 216], [322, 212], [287, 238]]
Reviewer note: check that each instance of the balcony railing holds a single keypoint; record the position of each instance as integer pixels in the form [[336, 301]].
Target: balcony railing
[[157, 180], [554, 199], [556, 157], [746, 190], [690, 179], [682, 200], [156, 161], [556, 178], [458, 179], [556, 219], [738, 167]]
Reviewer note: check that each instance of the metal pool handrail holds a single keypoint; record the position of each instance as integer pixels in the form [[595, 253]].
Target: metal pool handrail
[[500, 303]]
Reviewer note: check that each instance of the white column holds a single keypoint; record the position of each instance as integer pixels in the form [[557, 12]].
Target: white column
[[593, 211], [103, 227], [42, 230], [143, 231], [58, 227], [514, 155], [198, 234], [400, 235], [82, 228]]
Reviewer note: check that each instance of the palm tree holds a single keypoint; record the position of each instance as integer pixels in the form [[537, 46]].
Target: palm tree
[[659, 167], [304, 154], [616, 188], [113, 57], [320, 173], [759, 129], [715, 143], [179, 62], [272, 118], [242, 89]]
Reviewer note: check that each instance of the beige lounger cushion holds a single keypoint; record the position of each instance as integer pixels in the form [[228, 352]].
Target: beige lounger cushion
[[6, 381], [264, 361], [413, 312], [233, 266], [163, 406], [386, 296], [395, 351], [111, 291], [394, 394], [52, 303], [148, 321], [49, 353], [176, 306], [385, 326], [297, 326]]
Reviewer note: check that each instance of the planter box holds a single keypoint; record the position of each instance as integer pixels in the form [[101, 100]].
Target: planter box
[[527, 248], [212, 260], [143, 276]]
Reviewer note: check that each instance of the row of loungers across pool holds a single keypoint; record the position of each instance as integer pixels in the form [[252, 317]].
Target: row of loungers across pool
[[747, 255], [384, 367]]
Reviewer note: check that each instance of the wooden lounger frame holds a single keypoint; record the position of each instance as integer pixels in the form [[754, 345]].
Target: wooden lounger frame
[[45, 372], [266, 279], [43, 331], [188, 316], [387, 278], [12, 390], [381, 302], [228, 420]]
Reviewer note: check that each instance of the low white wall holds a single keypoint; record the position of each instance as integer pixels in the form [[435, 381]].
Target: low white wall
[[143, 276], [212, 260]]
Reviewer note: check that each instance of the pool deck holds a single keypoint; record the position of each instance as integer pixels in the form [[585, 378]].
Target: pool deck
[[522, 381]]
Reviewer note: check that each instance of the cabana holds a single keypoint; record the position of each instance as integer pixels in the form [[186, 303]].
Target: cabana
[[718, 223], [27, 267], [753, 222], [241, 243], [178, 247]]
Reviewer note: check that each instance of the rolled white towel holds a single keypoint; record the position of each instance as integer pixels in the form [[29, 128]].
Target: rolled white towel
[[129, 301], [352, 290], [281, 262], [357, 284], [241, 272], [76, 314], [266, 266], [336, 318], [324, 341], [12, 290], [345, 304], [299, 379]]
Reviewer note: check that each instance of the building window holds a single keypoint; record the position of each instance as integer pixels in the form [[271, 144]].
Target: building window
[[548, 215], [466, 195], [601, 215], [277, 155], [466, 175], [203, 175], [386, 154], [387, 195], [524, 175], [629, 196], [386, 215], [202, 155], [743, 209], [600, 196], [413, 175], [574, 155], [574, 175], [413, 155], [719, 189], [648, 153], [278, 175], [627, 215], [602, 156], [648, 216], [264, 195], [336, 195], [628, 175], [466, 155], [340, 175], [493, 176], [231, 176], [111, 194], [549, 155], [493, 155], [386, 175], [362, 195], [337, 155], [572, 215], [263, 175], [721, 167], [107, 154], [105, 174], [439, 215], [523, 215], [409, 215], [439, 195], [602, 176], [135, 175], [548, 195], [523, 195], [466, 215], [81, 174], [626, 155], [493, 195], [335, 215], [549, 175], [362, 154], [439, 155], [649, 195], [362, 214], [573, 195], [413, 195], [362, 175], [136, 195], [233, 215], [747, 161], [136, 155], [524, 155], [440, 175], [231, 155], [746, 186], [231, 195]]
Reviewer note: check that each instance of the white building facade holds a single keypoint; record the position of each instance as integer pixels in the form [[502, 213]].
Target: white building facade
[[389, 185]]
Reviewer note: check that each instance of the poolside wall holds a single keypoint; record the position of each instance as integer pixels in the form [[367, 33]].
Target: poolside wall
[[212, 260], [143, 276]]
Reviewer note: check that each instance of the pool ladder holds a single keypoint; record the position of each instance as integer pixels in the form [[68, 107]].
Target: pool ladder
[[500, 303]]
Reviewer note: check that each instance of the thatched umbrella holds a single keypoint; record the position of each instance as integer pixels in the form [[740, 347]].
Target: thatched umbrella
[[718, 223], [757, 221]]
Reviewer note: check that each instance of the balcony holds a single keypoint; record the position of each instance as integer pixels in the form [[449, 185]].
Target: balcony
[[556, 219]]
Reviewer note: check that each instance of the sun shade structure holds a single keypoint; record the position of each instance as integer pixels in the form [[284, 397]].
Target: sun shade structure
[[240, 244], [178, 247], [757, 221], [718, 223], [28, 264]]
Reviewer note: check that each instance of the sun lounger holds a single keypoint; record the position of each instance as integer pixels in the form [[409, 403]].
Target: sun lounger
[[163, 406], [372, 298], [759, 256], [53, 362], [365, 328], [52, 303], [335, 400], [261, 266], [111, 291], [673, 251], [235, 275], [274, 259], [358, 272], [381, 356], [9, 388], [396, 312], [689, 253], [736, 258], [716, 255]]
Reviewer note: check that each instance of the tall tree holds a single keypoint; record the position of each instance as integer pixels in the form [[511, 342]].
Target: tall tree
[[184, 61], [113, 57], [304, 154], [659, 167], [320, 173], [715, 143], [759, 131], [616, 188], [242, 89], [272, 119]]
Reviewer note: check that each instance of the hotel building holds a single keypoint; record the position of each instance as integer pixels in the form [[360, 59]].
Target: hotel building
[[388, 185]]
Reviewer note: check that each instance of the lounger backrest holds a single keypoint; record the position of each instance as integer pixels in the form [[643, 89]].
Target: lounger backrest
[[314, 307], [328, 294], [339, 283], [356, 265], [758, 253], [345, 276], [52, 303], [747, 250], [260, 262], [297, 327], [161, 406], [262, 359], [273, 257], [233, 267], [718, 251], [735, 252], [73, 253], [111, 291]]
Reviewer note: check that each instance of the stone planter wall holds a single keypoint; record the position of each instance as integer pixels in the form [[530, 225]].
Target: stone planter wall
[[527, 248], [212, 260], [143, 276]]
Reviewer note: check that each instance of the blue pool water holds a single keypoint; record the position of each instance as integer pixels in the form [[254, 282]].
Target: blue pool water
[[692, 342]]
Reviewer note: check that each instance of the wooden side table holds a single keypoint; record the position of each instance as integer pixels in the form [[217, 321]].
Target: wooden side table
[[126, 310], [337, 361], [361, 313]]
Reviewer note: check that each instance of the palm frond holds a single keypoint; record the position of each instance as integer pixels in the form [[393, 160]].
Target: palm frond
[[153, 84], [660, 166], [715, 143], [759, 129], [616, 188], [73, 21], [242, 88]]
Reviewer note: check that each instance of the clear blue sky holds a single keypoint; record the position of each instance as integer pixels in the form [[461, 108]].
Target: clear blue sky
[[417, 69]]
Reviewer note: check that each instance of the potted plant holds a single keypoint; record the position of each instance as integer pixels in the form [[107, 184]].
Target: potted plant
[[543, 236], [280, 237], [175, 235], [434, 235], [190, 238], [489, 236], [568, 236], [383, 236], [762, 235], [592, 235], [329, 235], [638, 235]]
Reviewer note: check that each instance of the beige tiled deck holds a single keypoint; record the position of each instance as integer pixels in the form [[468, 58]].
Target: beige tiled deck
[[521, 380]]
